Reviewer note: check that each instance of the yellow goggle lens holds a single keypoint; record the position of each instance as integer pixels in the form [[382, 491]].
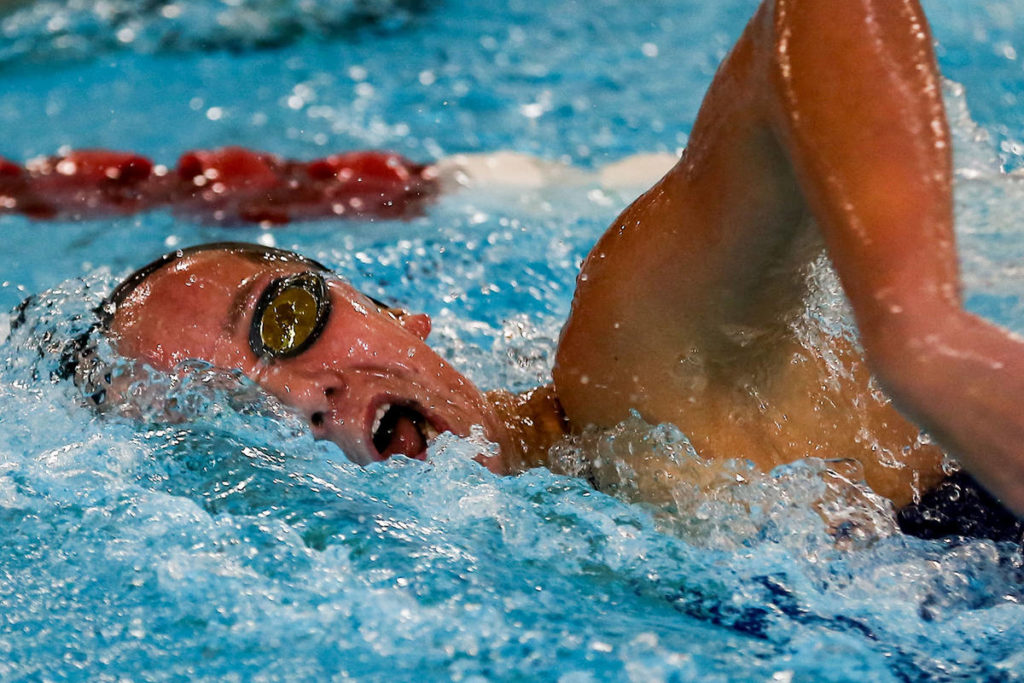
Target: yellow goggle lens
[[288, 321], [290, 316]]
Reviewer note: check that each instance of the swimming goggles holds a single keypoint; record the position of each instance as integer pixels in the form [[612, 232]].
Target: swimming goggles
[[290, 315]]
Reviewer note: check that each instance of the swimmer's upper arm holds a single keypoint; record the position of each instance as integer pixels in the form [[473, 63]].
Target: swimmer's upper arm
[[666, 296], [858, 106]]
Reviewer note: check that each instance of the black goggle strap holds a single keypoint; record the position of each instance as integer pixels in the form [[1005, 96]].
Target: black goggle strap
[[289, 316]]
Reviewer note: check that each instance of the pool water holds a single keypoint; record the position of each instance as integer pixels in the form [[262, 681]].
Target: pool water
[[234, 547]]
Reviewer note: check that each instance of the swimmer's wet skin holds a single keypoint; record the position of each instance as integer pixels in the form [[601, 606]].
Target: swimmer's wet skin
[[359, 372], [823, 110]]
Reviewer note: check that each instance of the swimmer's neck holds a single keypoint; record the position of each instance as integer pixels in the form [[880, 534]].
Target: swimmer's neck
[[533, 422]]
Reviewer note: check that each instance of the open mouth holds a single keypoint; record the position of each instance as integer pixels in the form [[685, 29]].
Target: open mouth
[[401, 430]]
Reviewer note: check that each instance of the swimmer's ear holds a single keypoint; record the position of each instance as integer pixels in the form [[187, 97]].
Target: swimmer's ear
[[417, 323]]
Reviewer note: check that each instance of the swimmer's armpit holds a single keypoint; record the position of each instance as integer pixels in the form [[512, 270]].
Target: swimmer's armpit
[[231, 185]]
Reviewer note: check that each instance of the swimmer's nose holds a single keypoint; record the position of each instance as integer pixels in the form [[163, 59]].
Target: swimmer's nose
[[316, 401], [318, 417]]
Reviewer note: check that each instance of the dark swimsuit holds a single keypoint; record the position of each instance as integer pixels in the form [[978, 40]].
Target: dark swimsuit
[[960, 507]]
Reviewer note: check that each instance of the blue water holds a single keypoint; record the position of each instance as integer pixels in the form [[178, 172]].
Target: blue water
[[233, 546]]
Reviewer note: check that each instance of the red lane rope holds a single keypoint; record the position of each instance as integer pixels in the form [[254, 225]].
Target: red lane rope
[[230, 185]]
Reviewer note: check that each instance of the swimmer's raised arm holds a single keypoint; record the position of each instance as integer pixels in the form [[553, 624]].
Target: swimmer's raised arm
[[831, 110], [882, 196]]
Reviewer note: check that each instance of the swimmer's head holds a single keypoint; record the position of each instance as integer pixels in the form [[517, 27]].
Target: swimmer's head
[[359, 372]]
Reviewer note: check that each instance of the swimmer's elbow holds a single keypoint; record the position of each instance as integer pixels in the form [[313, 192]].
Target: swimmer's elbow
[[902, 345], [960, 378], [929, 361]]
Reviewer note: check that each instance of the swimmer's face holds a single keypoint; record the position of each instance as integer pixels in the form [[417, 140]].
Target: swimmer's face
[[365, 380]]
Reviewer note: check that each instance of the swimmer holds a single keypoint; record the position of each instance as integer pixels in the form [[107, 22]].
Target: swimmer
[[823, 128]]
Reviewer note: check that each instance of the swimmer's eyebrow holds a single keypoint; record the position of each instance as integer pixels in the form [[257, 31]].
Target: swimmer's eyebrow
[[238, 306]]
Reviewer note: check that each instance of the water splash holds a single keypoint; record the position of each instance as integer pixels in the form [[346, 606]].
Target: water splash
[[232, 545]]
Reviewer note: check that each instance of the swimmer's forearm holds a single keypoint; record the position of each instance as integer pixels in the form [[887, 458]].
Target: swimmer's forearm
[[961, 378]]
